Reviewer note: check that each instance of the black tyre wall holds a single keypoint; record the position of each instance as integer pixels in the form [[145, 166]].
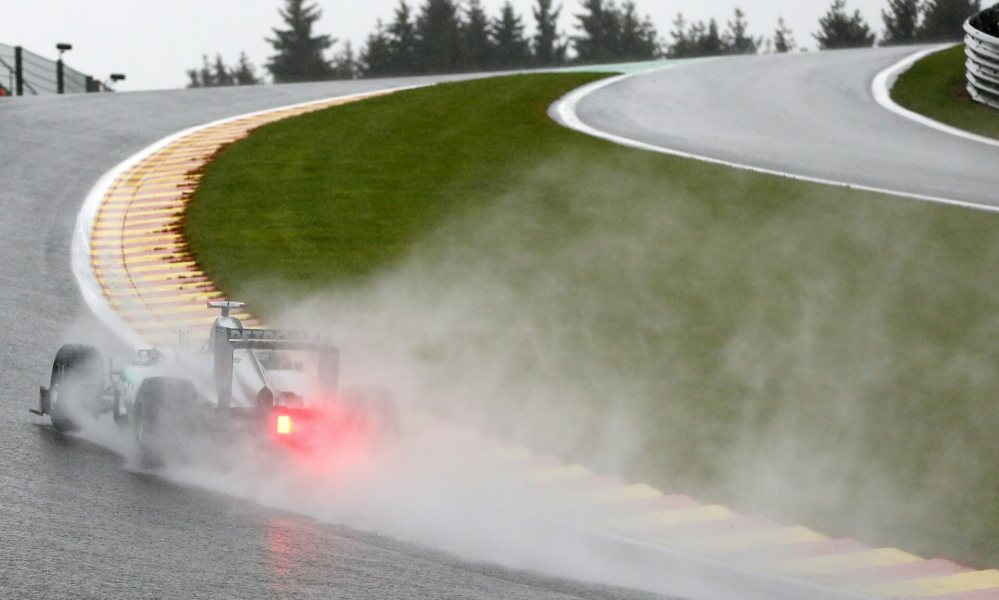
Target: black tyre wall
[[76, 385]]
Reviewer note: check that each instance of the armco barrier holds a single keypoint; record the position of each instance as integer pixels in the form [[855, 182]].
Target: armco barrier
[[982, 48]]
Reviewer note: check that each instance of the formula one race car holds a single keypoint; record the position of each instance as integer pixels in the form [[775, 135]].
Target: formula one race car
[[272, 383]]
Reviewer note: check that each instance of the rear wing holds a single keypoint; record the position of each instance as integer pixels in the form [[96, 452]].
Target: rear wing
[[229, 339], [225, 305]]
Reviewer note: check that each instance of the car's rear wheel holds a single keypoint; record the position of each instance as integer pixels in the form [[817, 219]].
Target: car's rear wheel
[[164, 408], [76, 386]]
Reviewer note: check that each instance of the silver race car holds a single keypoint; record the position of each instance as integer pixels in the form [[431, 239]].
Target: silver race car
[[276, 385]]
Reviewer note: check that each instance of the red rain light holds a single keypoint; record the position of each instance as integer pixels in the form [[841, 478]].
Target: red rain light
[[283, 424]]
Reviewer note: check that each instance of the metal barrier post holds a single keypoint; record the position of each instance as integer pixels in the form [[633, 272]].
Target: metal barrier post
[[19, 70], [60, 78]]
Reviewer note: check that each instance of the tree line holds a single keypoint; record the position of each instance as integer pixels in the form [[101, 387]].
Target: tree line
[[453, 36], [905, 22]]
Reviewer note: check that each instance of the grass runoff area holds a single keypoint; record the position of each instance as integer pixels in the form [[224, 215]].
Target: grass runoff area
[[819, 355], [935, 87]]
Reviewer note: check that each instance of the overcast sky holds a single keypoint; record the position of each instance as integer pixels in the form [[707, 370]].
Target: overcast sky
[[154, 43]]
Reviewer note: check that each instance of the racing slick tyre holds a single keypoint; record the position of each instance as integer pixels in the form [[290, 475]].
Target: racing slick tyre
[[376, 410], [164, 409], [76, 386]]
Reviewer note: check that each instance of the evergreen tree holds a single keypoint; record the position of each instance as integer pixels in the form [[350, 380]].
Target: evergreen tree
[[244, 73], [548, 49], [601, 29], [901, 22], [738, 41], [639, 39], [477, 46], [299, 54], [709, 41], [402, 41], [783, 37], [650, 40], [202, 77], [438, 37], [376, 57], [683, 46], [943, 20], [222, 75], [345, 63], [512, 48], [696, 34], [838, 30], [700, 39], [218, 74]]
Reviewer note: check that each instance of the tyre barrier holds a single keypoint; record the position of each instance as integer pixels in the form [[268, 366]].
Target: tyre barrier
[[982, 48]]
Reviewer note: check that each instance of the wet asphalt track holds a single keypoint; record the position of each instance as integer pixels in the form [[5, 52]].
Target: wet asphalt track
[[809, 114], [75, 524]]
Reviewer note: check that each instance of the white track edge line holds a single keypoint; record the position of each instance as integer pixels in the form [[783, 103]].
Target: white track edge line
[[80, 257], [883, 82], [563, 111]]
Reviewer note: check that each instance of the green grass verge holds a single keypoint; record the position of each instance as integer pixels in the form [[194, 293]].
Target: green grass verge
[[332, 196], [935, 87], [816, 354]]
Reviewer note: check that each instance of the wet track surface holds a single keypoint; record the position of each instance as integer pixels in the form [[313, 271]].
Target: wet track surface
[[74, 522], [809, 114], [77, 525]]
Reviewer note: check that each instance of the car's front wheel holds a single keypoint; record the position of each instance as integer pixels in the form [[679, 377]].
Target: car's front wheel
[[75, 387]]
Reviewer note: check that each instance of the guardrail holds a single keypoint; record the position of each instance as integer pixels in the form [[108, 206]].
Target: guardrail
[[982, 49], [22, 72]]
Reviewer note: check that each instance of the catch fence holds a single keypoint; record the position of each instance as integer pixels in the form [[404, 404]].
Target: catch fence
[[24, 73]]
